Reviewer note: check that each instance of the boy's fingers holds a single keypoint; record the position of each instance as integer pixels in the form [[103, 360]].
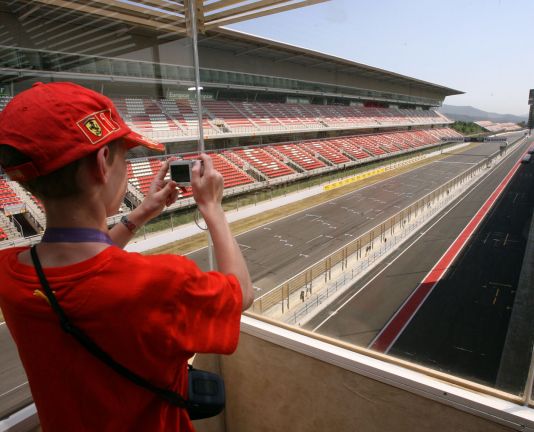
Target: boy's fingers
[[162, 171], [208, 163], [166, 190], [159, 179], [173, 195], [196, 167]]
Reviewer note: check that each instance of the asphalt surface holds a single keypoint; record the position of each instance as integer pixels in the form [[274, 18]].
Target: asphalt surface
[[14, 389], [462, 325], [278, 250]]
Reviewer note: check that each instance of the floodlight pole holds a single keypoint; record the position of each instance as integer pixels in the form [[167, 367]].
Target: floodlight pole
[[194, 30], [196, 67]]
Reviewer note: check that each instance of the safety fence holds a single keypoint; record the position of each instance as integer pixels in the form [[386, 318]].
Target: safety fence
[[368, 247]]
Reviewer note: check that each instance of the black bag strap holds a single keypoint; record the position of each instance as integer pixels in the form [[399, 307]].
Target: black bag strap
[[170, 396]]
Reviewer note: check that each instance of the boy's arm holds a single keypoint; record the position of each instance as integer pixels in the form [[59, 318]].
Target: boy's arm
[[208, 190], [160, 194]]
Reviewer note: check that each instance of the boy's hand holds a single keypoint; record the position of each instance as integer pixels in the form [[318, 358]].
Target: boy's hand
[[207, 184], [160, 194]]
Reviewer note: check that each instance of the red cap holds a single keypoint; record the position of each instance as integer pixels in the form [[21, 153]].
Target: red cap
[[55, 124]]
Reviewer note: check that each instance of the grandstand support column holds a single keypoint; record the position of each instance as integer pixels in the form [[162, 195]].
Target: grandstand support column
[[201, 147]]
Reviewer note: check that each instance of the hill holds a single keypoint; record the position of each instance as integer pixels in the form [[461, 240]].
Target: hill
[[471, 114]]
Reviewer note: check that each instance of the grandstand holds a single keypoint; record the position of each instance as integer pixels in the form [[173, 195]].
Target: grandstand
[[174, 120], [270, 114], [257, 164], [498, 127], [261, 129]]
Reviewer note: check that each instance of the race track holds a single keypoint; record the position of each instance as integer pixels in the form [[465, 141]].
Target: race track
[[278, 250]]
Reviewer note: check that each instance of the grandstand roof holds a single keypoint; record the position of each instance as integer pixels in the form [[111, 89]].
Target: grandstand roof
[[165, 19], [243, 44], [170, 15]]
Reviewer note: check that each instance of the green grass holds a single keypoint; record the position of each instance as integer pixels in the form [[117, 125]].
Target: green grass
[[181, 217], [468, 128], [200, 240]]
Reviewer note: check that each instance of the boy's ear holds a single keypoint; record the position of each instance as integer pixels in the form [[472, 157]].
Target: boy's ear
[[102, 165]]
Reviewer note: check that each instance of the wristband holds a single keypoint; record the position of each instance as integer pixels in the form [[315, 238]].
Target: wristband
[[129, 224]]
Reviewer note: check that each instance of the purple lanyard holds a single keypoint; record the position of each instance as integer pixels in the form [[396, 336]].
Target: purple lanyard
[[75, 235]]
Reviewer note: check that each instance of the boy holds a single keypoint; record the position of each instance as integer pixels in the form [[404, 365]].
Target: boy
[[67, 144]]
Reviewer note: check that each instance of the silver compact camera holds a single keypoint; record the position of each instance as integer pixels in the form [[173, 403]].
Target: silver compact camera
[[181, 171]]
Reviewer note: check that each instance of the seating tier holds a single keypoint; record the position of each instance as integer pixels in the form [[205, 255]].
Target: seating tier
[[8, 196], [263, 162], [326, 150], [178, 117], [297, 154]]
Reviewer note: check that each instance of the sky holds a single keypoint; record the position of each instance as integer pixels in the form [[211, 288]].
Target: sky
[[482, 47]]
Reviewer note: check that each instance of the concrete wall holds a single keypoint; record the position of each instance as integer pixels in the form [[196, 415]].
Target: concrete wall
[[271, 388]]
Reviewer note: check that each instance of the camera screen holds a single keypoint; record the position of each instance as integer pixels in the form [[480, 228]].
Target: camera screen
[[180, 173]]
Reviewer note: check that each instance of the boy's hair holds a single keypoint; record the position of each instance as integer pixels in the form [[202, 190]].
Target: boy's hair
[[61, 183]]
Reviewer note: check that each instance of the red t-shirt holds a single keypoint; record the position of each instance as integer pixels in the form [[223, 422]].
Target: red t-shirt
[[150, 313]]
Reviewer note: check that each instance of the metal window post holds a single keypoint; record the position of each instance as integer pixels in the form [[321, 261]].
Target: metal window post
[[201, 147]]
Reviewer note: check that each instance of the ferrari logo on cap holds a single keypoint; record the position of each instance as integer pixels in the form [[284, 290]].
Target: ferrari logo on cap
[[93, 127], [99, 126]]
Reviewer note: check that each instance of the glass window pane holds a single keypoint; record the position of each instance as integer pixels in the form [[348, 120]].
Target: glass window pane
[[142, 60], [365, 258]]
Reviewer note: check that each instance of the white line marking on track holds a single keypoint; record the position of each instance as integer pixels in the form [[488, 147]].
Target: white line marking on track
[[13, 389], [315, 238], [479, 182], [364, 286], [353, 194], [406, 249], [461, 163], [411, 171]]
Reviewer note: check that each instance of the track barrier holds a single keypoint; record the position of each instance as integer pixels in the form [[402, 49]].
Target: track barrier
[[307, 290]]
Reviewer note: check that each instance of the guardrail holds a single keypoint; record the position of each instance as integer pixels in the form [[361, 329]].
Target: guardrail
[[363, 247], [252, 187], [189, 134], [186, 203]]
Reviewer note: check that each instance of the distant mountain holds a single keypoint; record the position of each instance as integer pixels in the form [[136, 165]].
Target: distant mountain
[[469, 113]]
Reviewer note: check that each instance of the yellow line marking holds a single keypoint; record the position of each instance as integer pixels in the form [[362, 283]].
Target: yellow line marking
[[353, 179]]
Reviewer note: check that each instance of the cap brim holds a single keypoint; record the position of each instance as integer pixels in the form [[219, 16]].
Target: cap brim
[[133, 139]]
